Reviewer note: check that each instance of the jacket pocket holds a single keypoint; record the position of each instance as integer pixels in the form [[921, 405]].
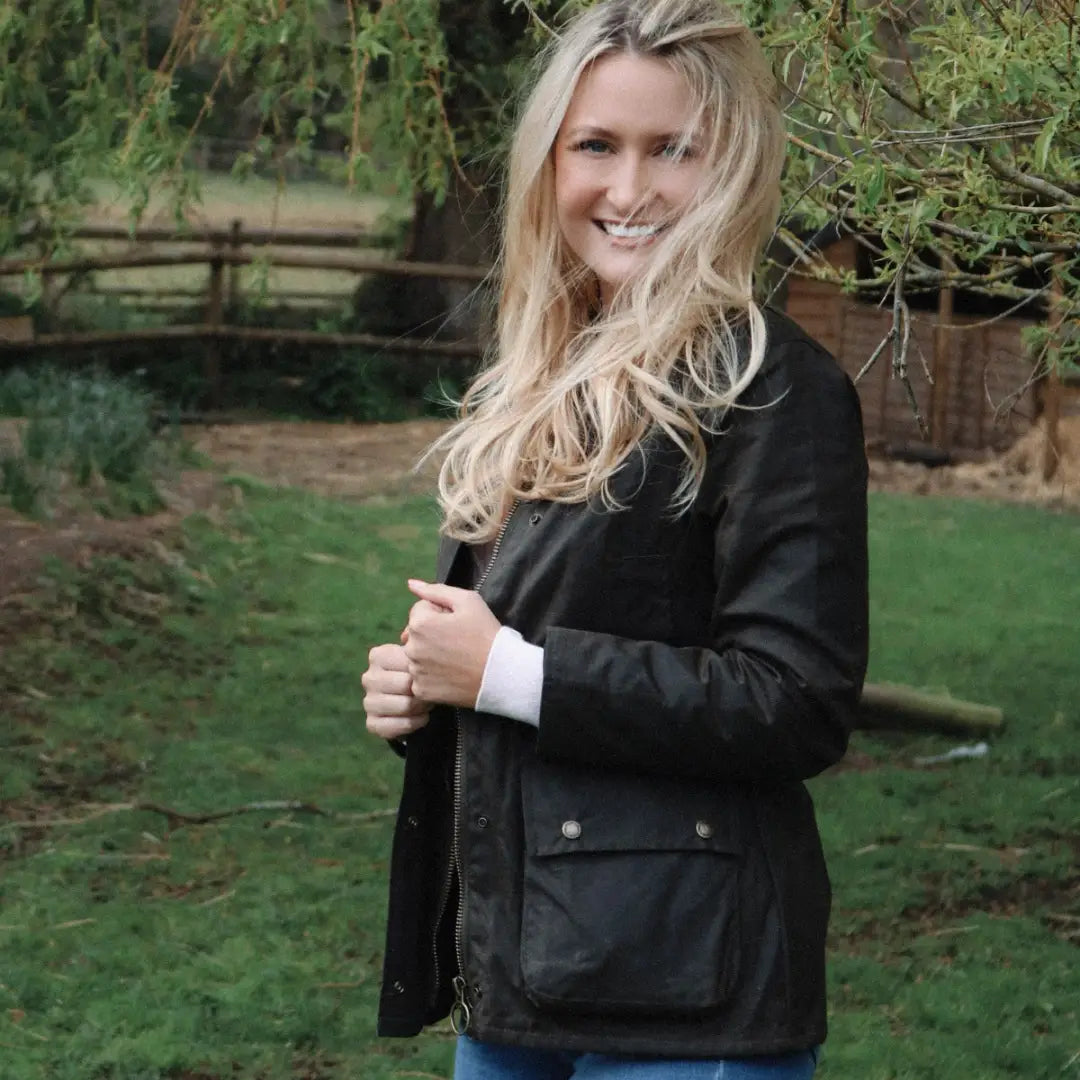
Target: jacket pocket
[[630, 897]]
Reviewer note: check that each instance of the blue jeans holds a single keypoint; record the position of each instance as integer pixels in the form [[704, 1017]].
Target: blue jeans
[[490, 1061]]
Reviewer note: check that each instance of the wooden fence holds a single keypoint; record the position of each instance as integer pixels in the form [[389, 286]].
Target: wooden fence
[[220, 250], [972, 376], [976, 364]]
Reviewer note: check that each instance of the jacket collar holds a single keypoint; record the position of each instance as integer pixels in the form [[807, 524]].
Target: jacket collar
[[448, 550]]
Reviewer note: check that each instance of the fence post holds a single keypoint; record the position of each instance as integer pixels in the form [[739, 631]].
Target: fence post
[[1052, 445], [214, 308], [944, 341], [235, 242]]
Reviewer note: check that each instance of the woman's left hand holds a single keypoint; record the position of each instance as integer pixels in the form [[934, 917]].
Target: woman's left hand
[[450, 632]]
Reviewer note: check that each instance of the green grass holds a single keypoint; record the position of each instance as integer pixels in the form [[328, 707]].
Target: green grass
[[957, 895], [132, 950], [262, 202], [258, 203], [133, 947]]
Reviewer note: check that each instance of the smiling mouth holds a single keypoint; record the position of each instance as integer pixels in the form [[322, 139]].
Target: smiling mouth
[[618, 231]]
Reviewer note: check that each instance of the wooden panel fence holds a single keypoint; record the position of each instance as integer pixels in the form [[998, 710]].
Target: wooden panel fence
[[981, 395]]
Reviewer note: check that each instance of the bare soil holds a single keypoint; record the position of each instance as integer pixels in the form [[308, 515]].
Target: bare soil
[[359, 461], [349, 461], [355, 461], [345, 461], [1015, 476]]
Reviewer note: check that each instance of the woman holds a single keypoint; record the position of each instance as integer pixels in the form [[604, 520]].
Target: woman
[[649, 625]]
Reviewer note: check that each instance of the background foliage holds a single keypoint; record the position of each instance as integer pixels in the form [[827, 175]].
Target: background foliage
[[119, 89], [83, 440], [945, 135]]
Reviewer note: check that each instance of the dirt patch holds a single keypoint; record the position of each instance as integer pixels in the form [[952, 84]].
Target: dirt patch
[[77, 537], [349, 461], [344, 461], [358, 461], [1014, 476]]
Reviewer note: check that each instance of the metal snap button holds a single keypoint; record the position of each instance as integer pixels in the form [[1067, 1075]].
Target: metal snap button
[[482, 822], [703, 829], [571, 829], [534, 519]]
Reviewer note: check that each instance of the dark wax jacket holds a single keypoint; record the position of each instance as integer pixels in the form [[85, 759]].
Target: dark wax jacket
[[642, 874]]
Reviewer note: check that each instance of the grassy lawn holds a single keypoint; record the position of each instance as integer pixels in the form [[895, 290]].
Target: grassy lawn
[[957, 893], [257, 202], [137, 945], [262, 202]]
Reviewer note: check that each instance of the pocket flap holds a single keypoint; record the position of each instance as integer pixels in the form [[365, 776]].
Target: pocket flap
[[570, 810]]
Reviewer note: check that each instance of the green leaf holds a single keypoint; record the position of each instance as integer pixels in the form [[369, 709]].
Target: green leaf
[[925, 210], [875, 188], [1041, 150]]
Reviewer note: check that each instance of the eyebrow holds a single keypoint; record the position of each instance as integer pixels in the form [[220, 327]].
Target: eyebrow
[[588, 130]]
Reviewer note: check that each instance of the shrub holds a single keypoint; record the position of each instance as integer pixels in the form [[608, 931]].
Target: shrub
[[93, 433]]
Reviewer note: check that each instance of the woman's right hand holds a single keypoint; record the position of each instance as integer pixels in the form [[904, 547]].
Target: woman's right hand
[[392, 709]]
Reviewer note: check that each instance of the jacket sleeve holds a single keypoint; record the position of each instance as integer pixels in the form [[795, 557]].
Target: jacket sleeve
[[772, 695]]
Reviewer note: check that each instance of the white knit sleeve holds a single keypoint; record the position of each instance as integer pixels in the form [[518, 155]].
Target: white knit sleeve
[[513, 678]]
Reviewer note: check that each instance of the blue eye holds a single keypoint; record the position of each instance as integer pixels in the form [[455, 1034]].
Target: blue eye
[[592, 146]]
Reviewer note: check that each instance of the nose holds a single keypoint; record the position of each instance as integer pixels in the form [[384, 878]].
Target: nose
[[629, 184]]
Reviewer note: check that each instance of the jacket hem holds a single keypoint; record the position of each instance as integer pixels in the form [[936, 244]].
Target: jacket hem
[[393, 1028], [683, 1046]]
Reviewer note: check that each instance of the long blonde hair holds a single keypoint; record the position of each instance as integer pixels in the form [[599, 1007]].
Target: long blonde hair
[[572, 391]]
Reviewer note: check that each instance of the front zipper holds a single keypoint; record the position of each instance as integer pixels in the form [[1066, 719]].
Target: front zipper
[[461, 1011]]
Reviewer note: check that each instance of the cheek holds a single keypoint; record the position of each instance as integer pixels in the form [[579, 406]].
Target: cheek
[[573, 191], [685, 186]]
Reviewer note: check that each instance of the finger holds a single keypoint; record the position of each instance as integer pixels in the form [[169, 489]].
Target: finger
[[424, 616], [405, 636], [380, 704], [395, 727], [443, 596], [383, 681], [391, 657]]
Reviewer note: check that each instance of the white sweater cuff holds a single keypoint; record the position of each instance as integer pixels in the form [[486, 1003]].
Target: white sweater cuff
[[513, 678]]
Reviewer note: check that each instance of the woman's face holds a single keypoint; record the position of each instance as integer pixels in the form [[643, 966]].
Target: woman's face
[[627, 162]]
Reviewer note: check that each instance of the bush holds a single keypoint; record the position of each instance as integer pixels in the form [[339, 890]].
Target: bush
[[92, 433]]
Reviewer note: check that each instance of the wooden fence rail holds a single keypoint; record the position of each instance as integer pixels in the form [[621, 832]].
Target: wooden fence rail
[[178, 294], [208, 332], [237, 233], [127, 260], [230, 250]]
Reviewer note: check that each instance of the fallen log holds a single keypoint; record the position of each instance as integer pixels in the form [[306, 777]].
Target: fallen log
[[887, 706]]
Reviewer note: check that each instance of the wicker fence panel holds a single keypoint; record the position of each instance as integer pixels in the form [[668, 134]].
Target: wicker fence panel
[[990, 400]]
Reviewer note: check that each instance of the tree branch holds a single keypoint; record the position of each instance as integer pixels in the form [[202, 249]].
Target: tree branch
[[816, 151], [879, 76], [985, 238], [177, 819], [1033, 183], [881, 347]]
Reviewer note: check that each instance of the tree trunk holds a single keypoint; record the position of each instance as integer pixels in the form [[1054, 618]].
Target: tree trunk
[[463, 230], [482, 37]]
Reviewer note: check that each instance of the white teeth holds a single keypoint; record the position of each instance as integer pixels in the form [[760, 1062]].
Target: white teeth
[[629, 232]]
